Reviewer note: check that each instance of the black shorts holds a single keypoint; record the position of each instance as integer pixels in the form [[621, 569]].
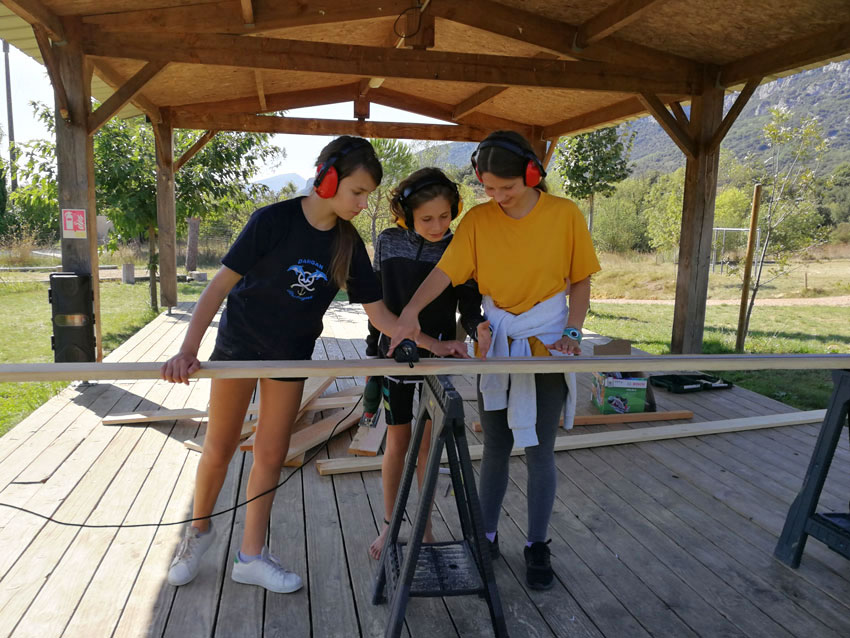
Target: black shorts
[[398, 400], [222, 354]]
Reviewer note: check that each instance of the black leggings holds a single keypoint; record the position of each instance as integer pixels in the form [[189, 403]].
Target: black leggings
[[551, 392]]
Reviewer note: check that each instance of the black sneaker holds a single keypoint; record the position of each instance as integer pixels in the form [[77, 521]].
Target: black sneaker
[[538, 569], [494, 547]]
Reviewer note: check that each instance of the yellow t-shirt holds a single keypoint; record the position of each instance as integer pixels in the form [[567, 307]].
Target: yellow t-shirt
[[521, 262]]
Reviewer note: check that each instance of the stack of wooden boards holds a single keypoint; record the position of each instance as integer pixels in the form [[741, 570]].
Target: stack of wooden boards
[[340, 413]]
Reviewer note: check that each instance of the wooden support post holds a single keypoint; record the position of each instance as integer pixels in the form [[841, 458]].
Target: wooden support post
[[166, 211], [748, 266], [697, 222], [75, 162]]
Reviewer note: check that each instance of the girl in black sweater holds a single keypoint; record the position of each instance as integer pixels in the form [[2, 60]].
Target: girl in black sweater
[[423, 205]]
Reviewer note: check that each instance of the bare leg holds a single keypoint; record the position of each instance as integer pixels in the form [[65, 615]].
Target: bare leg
[[229, 399], [279, 403], [392, 466]]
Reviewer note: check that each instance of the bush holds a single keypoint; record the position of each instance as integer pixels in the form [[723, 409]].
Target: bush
[[841, 234]]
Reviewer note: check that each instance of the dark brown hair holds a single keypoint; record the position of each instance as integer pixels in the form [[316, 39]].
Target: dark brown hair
[[502, 162], [406, 197], [350, 154]]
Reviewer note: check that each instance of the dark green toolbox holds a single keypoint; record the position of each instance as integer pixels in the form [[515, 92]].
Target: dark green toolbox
[[681, 383]]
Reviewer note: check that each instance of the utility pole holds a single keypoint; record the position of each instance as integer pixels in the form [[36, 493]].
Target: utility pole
[[13, 173]]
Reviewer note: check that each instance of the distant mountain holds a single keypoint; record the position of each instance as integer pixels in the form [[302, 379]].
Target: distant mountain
[[276, 182], [824, 92]]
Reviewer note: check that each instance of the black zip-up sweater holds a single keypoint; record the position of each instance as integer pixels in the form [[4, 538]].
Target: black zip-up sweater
[[403, 259]]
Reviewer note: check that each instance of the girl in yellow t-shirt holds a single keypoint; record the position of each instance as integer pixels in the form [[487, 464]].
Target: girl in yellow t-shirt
[[526, 249]]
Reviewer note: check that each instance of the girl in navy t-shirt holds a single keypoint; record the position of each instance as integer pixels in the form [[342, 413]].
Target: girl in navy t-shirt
[[279, 278]]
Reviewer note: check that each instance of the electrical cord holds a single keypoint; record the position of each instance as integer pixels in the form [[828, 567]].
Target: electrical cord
[[323, 447], [416, 7]]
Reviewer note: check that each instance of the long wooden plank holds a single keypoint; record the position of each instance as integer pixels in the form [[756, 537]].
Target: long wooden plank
[[620, 437], [18, 372], [153, 416], [612, 419]]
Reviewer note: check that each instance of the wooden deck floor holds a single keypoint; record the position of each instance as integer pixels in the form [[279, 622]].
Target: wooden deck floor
[[670, 538]]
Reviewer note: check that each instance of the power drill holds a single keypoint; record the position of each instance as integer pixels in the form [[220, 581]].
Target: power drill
[[406, 351]]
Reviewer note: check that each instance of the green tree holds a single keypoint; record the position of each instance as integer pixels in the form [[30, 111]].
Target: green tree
[[789, 219], [398, 162], [620, 218], [663, 211], [592, 163]]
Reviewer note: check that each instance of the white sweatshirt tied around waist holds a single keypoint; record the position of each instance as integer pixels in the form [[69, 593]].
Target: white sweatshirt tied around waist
[[545, 321]]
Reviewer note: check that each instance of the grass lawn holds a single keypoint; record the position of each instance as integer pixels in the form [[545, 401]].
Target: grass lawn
[[27, 329], [774, 329]]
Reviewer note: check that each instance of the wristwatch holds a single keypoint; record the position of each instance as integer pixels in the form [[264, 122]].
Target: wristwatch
[[573, 333]]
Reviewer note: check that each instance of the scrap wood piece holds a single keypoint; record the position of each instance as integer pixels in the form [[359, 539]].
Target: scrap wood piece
[[197, 444], [367, 441], [152, 416], [312, 435], [598, 439], [631, 417]]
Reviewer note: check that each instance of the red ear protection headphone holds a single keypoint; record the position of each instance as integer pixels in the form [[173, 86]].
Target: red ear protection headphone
[[431, 180], [534, 171], [327, 179]]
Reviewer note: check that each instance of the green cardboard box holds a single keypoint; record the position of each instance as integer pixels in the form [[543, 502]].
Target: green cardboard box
[[618, 396]]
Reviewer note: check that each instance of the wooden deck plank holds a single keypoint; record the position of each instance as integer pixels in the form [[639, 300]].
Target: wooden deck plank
[[100, 608], [751, 570], [674, 545]]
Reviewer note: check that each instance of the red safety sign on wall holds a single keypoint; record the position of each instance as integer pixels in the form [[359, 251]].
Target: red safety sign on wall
[[73, 223]]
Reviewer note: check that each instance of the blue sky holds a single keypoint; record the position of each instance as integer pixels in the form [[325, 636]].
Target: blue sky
[[30, 83]]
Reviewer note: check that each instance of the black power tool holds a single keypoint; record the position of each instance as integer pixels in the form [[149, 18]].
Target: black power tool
[[406, 352]]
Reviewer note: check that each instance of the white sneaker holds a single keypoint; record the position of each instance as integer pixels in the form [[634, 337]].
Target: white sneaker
[[266, 572], [187, 559]]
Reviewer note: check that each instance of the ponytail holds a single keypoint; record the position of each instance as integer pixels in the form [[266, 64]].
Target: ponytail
[[342, 251]]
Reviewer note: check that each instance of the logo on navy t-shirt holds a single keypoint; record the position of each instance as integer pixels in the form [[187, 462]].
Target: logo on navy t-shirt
[[306, 278]]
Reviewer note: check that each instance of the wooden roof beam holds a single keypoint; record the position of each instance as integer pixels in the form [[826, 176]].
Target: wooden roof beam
[[109, 75], [610, 20], [37, 14], [440, 111], [46, 48], [475, 101], [247, 13], [261, 93], [669, 123], [193, 150], [305, 126], [550, 151], [325, 57], [555, 36], [618, 111], [229, 16], [123, 95], [279, 101], [680, 114], [830, 43], [734, 111]]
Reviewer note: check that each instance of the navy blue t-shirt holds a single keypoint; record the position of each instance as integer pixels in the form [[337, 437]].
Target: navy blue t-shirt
[[275, 311]]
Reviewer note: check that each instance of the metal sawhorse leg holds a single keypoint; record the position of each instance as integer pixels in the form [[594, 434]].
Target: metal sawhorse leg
[[455, 568], [802, 521]]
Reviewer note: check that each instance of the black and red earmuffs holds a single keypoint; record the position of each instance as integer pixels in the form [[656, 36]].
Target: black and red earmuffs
[[327, 179], [431, 180], [534, 171]]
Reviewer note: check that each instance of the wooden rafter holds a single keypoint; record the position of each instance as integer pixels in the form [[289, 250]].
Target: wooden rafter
[[247, 13], [261, 92], [589, 121], [611, 19], [669, 123], [478, 99], [37, 14], [325, 57], [555, 36], [550, 151], [304, 126], [228, 17], [193, 150], [361, 107], [734, 111], [829, 43], [440, 111], [421, 27], [123, 95], [279, 101], [113, 78], [43, 40], [680, 114]]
